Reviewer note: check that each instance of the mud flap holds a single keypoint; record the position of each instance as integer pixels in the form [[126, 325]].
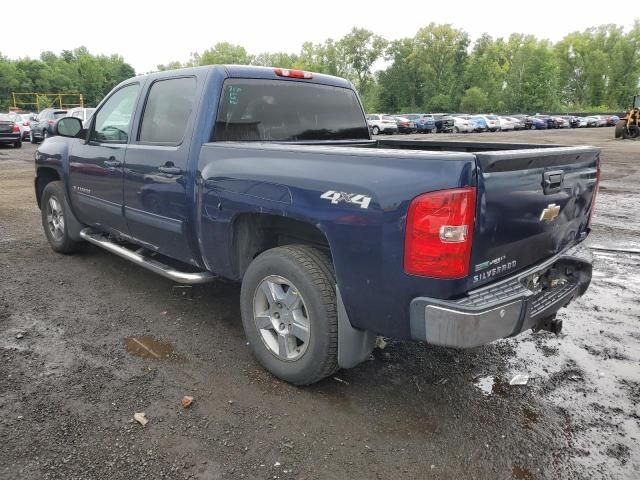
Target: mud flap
[[354, 345]]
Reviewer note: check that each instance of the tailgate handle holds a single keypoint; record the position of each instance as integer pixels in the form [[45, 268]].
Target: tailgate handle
[[552, 181]]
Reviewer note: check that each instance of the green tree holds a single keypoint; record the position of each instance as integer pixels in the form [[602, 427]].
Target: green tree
[[475, 100], [224, 53], [360, 49]]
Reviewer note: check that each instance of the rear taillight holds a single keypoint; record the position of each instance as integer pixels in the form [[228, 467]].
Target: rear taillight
[[16, 128], [286, 72], [51, 122], [595, 194], [439, 233]]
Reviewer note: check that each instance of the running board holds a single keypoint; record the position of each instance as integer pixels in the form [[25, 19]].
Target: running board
[[186, 278]]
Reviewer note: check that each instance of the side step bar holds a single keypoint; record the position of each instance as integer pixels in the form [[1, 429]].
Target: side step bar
[[186, 278]]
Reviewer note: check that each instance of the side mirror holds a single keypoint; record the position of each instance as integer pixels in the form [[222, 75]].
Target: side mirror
[[68, 127]]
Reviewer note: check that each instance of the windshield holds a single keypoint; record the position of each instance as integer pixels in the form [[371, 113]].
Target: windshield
[[277, 110]]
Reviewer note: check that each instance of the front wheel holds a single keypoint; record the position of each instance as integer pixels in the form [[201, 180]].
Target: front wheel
[[18, 144], [289, 314], [56, 216], [375, 130]]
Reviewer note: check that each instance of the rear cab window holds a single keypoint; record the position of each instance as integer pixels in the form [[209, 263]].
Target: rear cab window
[[167, 111], [280, 110]]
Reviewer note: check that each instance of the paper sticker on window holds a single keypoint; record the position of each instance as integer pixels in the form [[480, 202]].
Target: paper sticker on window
[[234, 93]]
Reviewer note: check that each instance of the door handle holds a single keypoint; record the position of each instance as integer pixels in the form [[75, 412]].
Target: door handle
[[171, 170], [112, 162]]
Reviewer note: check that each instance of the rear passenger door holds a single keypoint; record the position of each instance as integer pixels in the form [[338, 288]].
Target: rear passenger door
[[155, 175]]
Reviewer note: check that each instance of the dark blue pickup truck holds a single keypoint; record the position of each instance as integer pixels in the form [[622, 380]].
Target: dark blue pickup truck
[[269, 177]]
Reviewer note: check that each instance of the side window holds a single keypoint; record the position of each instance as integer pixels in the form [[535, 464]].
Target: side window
[[167, 111], [113, 119]]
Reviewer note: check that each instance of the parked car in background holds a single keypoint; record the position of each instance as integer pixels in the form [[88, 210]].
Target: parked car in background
[[24, 122], [479, 124], [381, 123], [592, 121], [83, 114], [444, 122], [518, 124], [550, 121], [493, 122], [571, 121], [42, 126], [506, 124], [425, 123], [602, 120], [536, 123], [613, 120], [462, 125], [405, 125], [561, 122], [10, 131]]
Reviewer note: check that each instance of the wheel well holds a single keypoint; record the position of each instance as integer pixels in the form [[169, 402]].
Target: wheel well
[[256, 233], [44, 176]]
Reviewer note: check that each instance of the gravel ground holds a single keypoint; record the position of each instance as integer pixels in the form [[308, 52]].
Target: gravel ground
[[73, 373]]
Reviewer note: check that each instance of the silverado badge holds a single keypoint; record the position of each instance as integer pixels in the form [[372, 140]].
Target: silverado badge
[[550, 213]]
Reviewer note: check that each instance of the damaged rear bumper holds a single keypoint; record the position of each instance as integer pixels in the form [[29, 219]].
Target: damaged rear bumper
[[505, 308]]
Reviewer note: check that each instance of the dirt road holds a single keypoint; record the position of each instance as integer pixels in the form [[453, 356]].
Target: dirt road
[[73, 372]]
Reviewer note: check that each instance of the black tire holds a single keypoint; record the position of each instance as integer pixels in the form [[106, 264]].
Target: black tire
[[456, 130], [32, 138], [18, 144], [59, 237], [634, 131], [45, 134], [375, 130], [621, 126], [311, 271]]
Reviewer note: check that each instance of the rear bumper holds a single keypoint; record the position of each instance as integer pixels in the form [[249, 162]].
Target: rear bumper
[[505, 308], [10, 137]]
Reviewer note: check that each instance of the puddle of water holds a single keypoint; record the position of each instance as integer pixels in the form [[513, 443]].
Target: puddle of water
[[520, 473], [146, 346]]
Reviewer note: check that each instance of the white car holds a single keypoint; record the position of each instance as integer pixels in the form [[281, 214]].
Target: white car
[[24, 122], [462, 125], [83, 114], [493, 122], [506, 124], [381, 123]]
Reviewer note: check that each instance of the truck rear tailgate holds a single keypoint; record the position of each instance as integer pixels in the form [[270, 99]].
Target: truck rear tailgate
[[531, 204]]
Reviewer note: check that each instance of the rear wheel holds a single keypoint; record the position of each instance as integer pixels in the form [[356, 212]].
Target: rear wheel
[[375, 130], [288, 305], [632, 131], [18, 144], [32, 139], [55, 219]]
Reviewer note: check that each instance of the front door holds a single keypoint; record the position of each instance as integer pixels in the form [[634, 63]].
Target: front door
[[96, 165], [155, 174]]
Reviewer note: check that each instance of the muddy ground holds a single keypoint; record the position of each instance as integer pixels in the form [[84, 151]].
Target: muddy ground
[[70, 381]]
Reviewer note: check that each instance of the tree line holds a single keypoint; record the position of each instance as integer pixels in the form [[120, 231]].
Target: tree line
[[441, 69], [438, 69], [73, 71]]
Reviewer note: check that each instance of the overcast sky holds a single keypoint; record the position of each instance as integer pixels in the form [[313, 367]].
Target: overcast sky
[[148, 33]]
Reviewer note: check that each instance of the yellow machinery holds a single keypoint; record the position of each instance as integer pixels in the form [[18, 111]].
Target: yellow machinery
[[629, 126], [40, 101]]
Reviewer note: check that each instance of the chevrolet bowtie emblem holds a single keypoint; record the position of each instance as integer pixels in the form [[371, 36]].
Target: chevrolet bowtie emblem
[[550, 213]]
